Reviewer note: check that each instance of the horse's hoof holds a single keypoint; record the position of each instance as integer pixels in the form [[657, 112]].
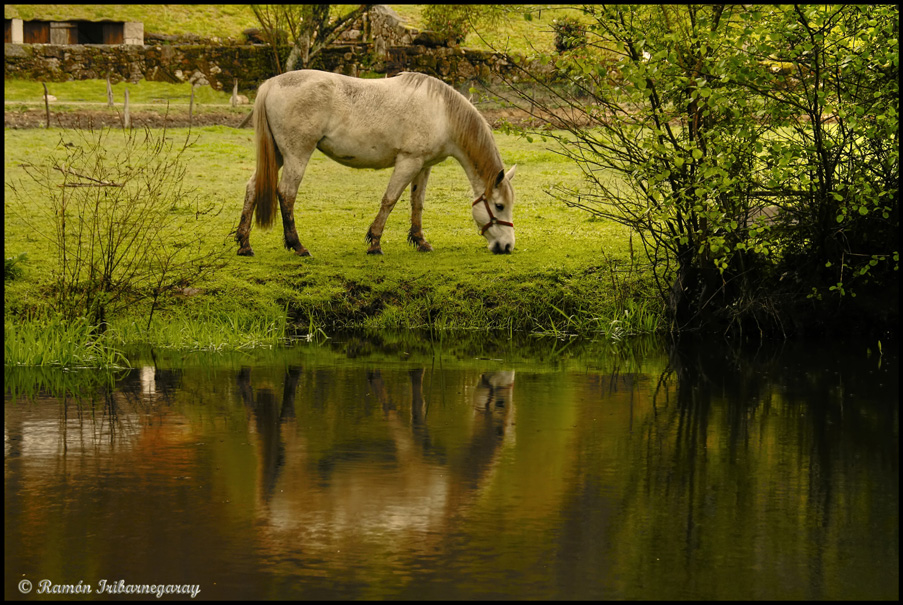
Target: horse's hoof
[[424, 247], [245, 252], [375, 251]]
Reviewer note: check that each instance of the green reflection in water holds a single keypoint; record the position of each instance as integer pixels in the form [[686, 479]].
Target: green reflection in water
[[400, 467]]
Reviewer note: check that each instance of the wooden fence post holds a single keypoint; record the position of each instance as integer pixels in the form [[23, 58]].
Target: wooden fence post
[[234, 99], [191, 108], [46, 103], [127, 122], [109, 90]]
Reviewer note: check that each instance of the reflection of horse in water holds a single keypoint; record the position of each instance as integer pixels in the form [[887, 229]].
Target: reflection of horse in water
[[493, 396], [401, 473], [492, 416]]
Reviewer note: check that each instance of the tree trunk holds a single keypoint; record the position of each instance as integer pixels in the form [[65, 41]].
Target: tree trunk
[[299, 53], [292, 59]]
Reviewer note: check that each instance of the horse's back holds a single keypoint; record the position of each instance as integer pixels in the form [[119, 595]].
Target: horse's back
[[356, 98], [308, 88], [363, 123]]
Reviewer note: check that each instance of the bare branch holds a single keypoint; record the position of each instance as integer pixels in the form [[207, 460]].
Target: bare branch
[[95, 183]]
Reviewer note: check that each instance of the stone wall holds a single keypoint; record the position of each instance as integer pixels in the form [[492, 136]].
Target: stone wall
[[384, 44], [455, 66], [217, 66], [201, 64]]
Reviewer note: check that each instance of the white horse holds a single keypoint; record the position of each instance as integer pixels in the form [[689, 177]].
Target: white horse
[[410, 122]]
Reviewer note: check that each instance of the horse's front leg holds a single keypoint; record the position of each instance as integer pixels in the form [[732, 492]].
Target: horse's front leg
[[243, 233], [418, 192], [405, 170]]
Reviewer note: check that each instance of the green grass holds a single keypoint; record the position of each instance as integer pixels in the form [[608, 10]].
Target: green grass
[[49, 341], [515, 34], [95, 91], [558, 280], [208, 331], [207, 20], [144, 96]]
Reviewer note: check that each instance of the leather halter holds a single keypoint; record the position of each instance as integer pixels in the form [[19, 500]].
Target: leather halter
[[492, 219]]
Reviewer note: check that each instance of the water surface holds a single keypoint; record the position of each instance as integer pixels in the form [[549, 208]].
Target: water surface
[[365, 469]]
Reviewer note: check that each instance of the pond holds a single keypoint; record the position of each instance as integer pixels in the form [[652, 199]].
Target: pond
[[400, 467]]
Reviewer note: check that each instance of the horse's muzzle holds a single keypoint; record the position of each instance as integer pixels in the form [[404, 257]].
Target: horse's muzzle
[[499, 248]]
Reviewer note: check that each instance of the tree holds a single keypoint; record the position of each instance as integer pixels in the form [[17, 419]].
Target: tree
[[752, 149], [835, 100], [309, 28]]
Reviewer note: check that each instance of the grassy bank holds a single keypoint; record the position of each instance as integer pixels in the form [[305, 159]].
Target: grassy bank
[[568, 273]]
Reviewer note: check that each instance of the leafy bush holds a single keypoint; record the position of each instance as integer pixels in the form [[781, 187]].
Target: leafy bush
[[117, 208], [570, 34], [12, 267], [450, 20]]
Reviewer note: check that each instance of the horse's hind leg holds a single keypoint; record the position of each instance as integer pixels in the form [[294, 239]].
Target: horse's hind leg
[[243, 233], [418, 191], [292, 173]]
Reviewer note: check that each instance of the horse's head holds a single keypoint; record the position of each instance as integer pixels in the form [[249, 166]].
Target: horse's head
[[493, 213], [493, 401], [494, 390]]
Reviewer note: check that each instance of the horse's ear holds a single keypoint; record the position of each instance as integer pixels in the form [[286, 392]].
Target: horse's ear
[[502, 175]]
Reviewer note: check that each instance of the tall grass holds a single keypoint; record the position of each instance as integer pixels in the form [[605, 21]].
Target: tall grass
[[210, 330], [52, 341], [633, 318]]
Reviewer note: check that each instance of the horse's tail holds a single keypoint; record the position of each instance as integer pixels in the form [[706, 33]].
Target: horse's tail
[[267, 171]]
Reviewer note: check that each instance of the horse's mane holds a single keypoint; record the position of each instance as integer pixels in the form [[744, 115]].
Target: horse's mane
[[470, 129]]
